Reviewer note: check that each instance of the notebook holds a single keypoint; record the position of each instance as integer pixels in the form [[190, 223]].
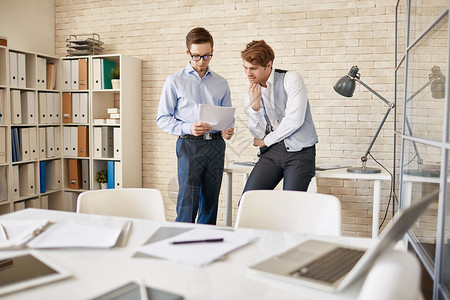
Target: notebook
[[330, 266]]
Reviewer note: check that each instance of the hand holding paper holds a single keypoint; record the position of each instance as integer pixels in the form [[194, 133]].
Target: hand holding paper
[[219, 117]]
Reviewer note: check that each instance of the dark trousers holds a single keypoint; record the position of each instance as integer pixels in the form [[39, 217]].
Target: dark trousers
[[297, 169], [200, 171]]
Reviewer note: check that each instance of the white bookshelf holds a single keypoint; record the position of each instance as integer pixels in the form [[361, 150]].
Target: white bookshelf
[[22, 76], [127, 99], [22, 189]]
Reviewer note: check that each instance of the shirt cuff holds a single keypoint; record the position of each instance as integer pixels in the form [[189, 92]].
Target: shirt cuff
[[186, 128], [270, 139]]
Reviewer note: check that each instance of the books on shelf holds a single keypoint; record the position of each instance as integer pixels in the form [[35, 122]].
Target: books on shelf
[[99, 121], [3, 41], [3, 184], [106, 68], [43, 177], [2, 145], [113, 110], [16, 149], [2, 107], [112, 121], [75, 181], [51, 76], [111, 174]]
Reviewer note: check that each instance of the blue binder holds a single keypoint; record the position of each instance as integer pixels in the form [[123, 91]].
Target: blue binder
[[110, 174], [42, 176]]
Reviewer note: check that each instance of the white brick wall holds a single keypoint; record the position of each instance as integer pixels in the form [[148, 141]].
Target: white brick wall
[[321, 39]]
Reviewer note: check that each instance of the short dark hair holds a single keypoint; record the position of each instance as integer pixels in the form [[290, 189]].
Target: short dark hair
[[258, 53], [199, 35]]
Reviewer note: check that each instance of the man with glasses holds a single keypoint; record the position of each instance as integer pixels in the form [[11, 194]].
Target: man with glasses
[[200, 150], [279, 118]]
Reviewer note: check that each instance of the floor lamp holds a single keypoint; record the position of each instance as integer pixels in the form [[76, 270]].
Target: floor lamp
[[345, 87]]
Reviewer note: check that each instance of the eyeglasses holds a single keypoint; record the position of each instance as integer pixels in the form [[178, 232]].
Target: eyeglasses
[[206, 57]]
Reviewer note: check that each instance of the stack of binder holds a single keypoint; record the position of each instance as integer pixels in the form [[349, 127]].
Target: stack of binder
[[107, 142], [78, 174], [76, 141], [75, 74], [75, 108]]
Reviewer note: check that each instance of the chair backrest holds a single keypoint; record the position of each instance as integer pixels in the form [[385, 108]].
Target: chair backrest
[[131, 203], [312, 187], [294, 211], [394, 276]]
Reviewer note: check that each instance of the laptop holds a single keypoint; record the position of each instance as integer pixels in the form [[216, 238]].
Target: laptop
[[331, 266]]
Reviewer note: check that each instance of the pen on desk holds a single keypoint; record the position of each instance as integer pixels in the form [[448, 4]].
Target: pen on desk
[[27, 237], [3, 230], [198, 241]]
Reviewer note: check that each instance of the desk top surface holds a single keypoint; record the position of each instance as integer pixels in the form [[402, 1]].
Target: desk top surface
[[333, 173], [97, 271]]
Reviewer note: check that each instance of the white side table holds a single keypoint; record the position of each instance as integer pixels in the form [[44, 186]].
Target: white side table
[[335, 173]]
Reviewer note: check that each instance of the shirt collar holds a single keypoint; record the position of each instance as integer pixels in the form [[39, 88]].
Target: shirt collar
[[271, 77], [191, 70]]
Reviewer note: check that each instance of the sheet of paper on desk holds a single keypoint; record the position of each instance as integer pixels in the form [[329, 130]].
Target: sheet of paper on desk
[[220, 117], [15, 234], [329, 166], [69, 234], [198, 254]]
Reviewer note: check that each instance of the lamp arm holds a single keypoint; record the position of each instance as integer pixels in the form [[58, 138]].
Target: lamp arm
[[375, 93], [419, 91], [364, 158], [419, 159], [390, 107]]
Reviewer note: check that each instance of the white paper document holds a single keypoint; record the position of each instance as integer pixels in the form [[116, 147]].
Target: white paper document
[[219, 117], [200, 253], [14, 234], [70, 234]]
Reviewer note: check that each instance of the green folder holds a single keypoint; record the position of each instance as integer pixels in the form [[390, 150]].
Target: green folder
[[107, 66]]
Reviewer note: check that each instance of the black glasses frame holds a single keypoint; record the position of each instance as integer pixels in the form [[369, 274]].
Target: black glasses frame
[[206, 57]]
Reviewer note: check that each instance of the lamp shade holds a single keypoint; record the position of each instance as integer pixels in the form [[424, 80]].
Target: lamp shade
[[346, 85], [437, 83]]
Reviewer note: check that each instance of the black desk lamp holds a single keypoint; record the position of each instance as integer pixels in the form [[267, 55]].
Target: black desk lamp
[[437, 81], [345, 87]]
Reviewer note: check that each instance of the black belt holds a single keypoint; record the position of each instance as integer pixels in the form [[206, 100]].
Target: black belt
[[205, 136]]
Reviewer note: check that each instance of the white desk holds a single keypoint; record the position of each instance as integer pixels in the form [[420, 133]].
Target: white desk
[[336, 173], [97, 271]]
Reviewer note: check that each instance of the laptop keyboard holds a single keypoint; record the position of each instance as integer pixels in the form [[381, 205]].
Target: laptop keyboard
[[330, 266]]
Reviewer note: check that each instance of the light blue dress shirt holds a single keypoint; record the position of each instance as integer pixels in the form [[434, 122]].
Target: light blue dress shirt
[[181, 95]]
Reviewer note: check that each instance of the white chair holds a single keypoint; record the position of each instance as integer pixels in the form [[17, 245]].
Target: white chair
[[131, 203], [312, 187], [293, 211], [394, 276]]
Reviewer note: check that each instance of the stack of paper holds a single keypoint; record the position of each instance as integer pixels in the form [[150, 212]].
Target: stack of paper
[[219, 117], [15, 234], [199, 253], [70, 234]]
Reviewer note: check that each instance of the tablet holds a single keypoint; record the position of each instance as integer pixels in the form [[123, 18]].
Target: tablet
[[27, 270], [135, 291]]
